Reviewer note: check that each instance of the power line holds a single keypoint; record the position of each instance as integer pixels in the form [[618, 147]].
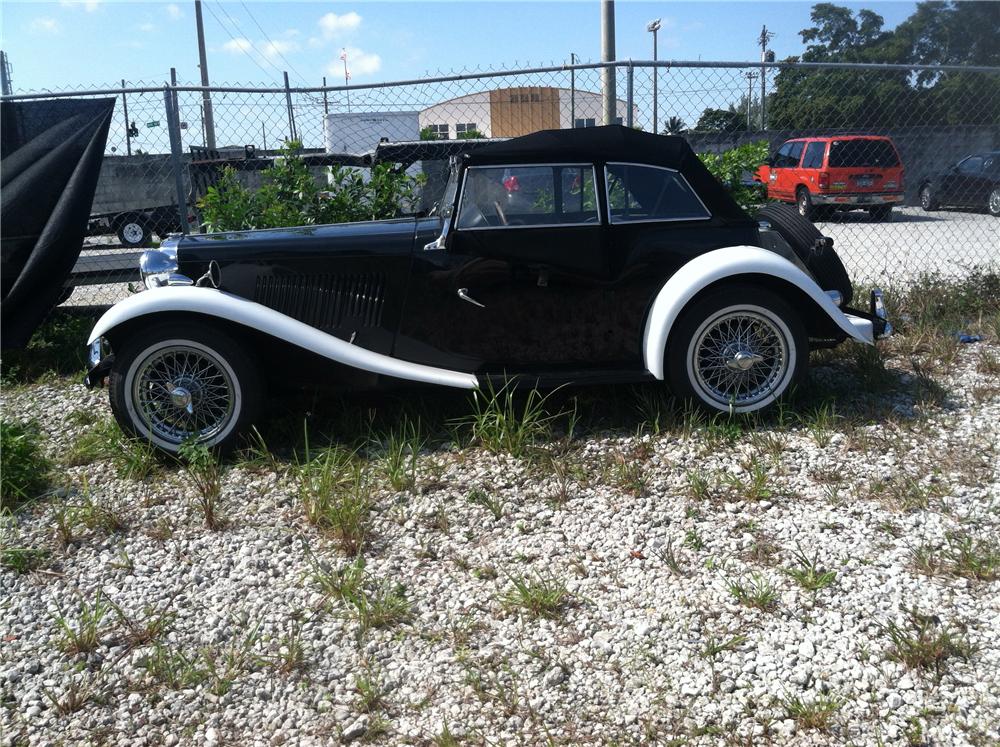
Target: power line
[[273, 45], [233, 38]]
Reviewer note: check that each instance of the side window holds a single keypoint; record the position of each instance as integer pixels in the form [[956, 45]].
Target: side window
[[783, 157], [795, 154], [972, 165], [639, 193], [814, 156], [512, 196]]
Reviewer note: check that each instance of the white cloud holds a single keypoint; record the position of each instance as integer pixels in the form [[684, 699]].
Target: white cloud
[[88, 5], [359, 62], [147, 27], [236, 46], [43, 25], [332, 24], [277, 48], [174, 11]]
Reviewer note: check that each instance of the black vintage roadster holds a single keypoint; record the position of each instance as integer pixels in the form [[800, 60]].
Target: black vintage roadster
[[576, 256]]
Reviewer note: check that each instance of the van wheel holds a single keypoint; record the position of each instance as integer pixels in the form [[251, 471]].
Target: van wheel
[[176, 382], [737, 350], [134, 231], [927, 200], [803, 201]]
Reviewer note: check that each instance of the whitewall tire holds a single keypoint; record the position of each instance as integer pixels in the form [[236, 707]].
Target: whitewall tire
[[181, 382], [737, 350]]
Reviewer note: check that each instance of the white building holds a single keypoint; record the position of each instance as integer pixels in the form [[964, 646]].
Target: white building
[[358, 132]]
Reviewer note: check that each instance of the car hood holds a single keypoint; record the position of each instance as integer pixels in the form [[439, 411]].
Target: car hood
[[347, 237]]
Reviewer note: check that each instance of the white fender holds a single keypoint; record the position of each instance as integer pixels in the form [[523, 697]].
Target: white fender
[[729, 262], [232, 308]]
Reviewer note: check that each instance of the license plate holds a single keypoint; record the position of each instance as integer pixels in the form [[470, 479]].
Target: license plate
[[865, 182]]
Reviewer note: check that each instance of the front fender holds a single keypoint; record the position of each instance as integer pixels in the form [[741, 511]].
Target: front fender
[[215, 303], [717, 265]]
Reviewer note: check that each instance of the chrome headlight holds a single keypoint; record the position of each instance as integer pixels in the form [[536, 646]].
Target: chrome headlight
[[158, 267]]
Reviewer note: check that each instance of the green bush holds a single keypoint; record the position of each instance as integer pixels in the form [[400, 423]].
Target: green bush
[[731, 166], [23, 468], [290, 196]]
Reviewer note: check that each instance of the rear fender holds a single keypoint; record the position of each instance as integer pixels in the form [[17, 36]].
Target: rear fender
[[215, 303], [721, 264]]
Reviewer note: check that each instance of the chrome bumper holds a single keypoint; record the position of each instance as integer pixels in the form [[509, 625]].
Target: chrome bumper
[[880, 317], [860, 198]]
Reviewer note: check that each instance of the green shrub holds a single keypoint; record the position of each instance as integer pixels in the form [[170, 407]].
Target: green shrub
[[23, 468], [731, 167], [291, 196], [58, 346]]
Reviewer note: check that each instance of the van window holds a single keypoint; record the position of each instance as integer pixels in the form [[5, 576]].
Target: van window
[[814, 156], [854, 153], [788, 155]]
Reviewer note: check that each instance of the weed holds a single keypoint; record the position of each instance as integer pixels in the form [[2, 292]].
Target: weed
[[962, 555], [988, 363], [870, 365], [755, 485], [369, 690], [57, 347], [480, 497], [374, 602], [78, 693], [444, 738], [85, 635], [173, 668], [24, 469], [699, 488], [757, 592], [627, 473], [926, 390], [139, 632], [400, 451], [906, 493], [539, 597], [22, 559], [808, 573], [335, 491], [923, 643], [714, 647], [507, 424], [100, 515], [693, 540], [223, 667], [812, 714], [205, 471], [671, 559], [291, 656], [820, 422]]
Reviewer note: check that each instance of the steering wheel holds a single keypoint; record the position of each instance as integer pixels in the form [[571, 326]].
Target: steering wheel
[[500, 213]]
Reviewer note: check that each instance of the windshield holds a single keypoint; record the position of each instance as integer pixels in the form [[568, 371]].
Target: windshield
[[851, 153]]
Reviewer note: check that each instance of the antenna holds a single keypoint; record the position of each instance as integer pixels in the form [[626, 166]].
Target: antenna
[[766, 55]]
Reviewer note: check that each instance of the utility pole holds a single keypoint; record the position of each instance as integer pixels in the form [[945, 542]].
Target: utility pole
[[4, 74], [128, 125], [326, 101], [653, 27], [608, 55], [292, 134], [766, 56], [347, 79], [750, 76], [572, 91], [206, 97]]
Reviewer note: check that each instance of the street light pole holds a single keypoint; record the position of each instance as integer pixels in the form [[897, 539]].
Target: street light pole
[[610, 95], [653, 27]]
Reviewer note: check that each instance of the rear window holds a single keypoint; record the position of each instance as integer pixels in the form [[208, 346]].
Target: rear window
[[874, 153]]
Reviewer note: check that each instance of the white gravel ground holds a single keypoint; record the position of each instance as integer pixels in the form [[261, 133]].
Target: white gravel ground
[[624, 661]]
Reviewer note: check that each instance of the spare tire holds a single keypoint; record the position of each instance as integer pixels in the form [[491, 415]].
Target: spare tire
[[813, 248]]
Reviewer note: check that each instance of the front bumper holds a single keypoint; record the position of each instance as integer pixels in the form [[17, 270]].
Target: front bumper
[[857, 198], [873, 324], [100, 359]]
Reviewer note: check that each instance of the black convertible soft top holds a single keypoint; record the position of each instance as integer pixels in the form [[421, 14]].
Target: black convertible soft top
[[615, 143]]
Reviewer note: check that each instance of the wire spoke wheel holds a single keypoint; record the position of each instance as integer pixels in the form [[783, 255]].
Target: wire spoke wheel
[[181, 391], [740, 357]]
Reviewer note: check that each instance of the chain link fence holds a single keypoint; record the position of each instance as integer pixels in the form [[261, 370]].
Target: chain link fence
[[167, 143]]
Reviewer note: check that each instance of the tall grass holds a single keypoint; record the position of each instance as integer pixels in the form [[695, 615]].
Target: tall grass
[[504, 422], [24, 470]]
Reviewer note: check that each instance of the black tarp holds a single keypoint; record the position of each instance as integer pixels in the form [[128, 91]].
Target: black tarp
[[50, 158]]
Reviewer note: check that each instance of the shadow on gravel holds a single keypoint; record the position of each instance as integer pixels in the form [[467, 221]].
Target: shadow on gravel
[[845, 388], [58, 347]]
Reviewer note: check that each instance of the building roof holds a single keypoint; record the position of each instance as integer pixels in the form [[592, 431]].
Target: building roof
[[614, 143]]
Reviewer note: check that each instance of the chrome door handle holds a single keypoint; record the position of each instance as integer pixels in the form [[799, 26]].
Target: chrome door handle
[[463, 293]]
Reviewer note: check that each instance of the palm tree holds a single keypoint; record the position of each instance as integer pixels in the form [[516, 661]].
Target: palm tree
[[675, 126]]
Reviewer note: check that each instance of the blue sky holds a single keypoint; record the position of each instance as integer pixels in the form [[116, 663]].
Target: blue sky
[[88, 43]]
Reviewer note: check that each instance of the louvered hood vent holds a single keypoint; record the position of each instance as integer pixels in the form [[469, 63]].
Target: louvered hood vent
[[326, 301]]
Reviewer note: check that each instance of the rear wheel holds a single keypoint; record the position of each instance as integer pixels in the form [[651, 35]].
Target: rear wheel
[[993, 204], [177, 382], [803, 201], [881, 214], [134, 231], [927, 200], [737, 350]]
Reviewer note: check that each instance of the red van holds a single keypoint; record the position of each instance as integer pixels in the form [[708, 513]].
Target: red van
[[844, 172]]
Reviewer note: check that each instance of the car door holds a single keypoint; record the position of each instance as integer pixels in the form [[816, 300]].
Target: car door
[[518, 285], [958, 186], [784, 174]]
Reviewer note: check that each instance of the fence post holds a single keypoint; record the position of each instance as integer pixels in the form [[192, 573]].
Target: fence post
[[292, 135], [176, 162], [128, 125], [629, 97]]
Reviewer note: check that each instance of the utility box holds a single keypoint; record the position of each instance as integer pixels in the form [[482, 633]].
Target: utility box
[[360, 132]]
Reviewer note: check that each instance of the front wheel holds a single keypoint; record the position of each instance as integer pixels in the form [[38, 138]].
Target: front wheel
[[993, 204], [178, 382], [805, 204], [927, 200], [737, 350]]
